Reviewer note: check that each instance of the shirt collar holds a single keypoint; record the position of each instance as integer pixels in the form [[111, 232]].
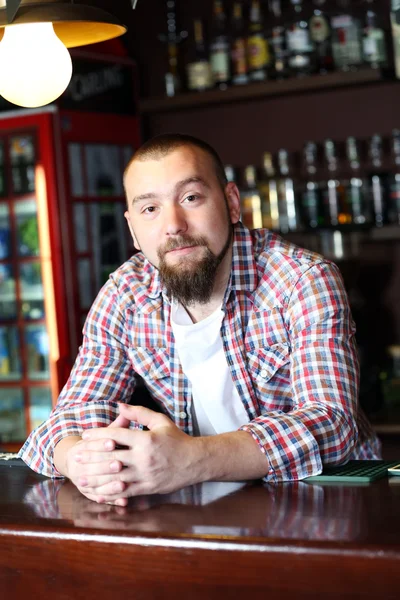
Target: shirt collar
[[244, 269]]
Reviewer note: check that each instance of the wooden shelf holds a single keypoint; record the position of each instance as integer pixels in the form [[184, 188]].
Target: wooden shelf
[[254, 91]]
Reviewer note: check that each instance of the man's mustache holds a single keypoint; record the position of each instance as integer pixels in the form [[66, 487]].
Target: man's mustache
[[180, 242]]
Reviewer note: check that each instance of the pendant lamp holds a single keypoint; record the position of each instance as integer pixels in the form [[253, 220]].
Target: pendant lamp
[[35, 65]]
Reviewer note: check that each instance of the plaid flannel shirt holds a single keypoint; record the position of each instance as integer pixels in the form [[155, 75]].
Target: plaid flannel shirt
[[289, 342]]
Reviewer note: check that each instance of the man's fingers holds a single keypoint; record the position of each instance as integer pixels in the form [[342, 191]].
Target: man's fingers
[[131, 489], [118, 435], [96, 469], [144, 416], [120, 421], [103, 444], [109, 481]]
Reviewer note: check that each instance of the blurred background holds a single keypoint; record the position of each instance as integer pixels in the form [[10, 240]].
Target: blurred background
[[301, 100]]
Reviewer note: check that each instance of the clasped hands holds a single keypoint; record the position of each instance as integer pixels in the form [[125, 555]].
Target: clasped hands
[[112, 463]]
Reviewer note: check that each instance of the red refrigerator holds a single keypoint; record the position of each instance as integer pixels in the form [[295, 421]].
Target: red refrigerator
[[62, 231]]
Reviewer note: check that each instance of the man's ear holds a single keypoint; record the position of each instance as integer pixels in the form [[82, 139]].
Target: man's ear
[[134, 238], [233, 198]]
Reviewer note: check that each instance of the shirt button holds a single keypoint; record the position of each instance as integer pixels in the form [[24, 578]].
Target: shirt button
[[264, 373], [182, 415]]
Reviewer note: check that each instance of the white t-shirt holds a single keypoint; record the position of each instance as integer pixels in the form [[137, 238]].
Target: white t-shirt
[[217, 407]]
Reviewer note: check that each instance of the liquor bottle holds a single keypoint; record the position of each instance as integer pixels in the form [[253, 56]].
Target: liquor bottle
[[394, 181], [334, 193], [268, 190], [395, 26], [238, 48], [199, 68], [277, 40], [375, 43], [172, 79], [172, 38], [258, 55], [321, 36], [300, 47], [346, 37], [288, 213], [311, 197], [220, 47], [357, 190], [230, 173], [250, 200], [377, 180]]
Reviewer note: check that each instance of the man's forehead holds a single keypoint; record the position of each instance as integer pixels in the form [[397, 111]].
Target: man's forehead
[[185, 157]]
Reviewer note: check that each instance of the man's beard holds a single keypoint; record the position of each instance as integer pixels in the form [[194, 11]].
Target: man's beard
[[190, 280]]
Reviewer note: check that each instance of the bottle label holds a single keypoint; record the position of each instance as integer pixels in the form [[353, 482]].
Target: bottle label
[[266, 215], [310, 207], [374, 47], [346, 45], [278, 38], [251, 211], [199, 76], [396, 42], [239, 62], [298, 39], [258, 52], [394, 206], [319, 29], [355, 201], [331, 203], [220, 62]]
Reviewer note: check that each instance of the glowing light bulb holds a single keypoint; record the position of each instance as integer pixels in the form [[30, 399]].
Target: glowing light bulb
[[35, 66]]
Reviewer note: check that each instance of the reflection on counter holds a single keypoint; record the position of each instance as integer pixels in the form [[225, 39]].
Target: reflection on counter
[[296, 510]]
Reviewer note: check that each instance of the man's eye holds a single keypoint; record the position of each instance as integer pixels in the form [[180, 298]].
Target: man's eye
[[149, 209], [191, 198]]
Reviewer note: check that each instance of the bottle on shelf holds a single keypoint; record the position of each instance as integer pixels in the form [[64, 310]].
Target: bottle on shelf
[[375, 43], [394, 181], [268, 190], [172, 80], [172, 38], [258, 55], [301, 56], [230, 173], [377, 180], [220, 47], [334, 193], [321, 37], [250, 200], [346, 37], [287, 206], [357, 190], [277, 40], [395, 31], [199, 72], [239, 65], [311, 197]]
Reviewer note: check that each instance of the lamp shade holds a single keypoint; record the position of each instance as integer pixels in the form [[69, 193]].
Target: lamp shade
[[74, 24]]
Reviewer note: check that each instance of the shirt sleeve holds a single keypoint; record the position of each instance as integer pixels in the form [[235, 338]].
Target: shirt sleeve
[[321, 428], [101, 378]]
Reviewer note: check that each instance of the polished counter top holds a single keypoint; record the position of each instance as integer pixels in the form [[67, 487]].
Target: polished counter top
[[209, 540]]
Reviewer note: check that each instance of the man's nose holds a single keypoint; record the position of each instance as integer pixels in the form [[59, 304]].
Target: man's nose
[[175, 221]]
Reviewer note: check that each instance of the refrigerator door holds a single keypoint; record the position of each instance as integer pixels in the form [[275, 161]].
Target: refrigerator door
[[33, 344]]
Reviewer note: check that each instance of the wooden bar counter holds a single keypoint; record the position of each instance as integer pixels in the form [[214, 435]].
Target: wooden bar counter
[[211, 541]]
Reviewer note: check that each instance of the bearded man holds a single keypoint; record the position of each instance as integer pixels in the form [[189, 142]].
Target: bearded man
[[244, 341]]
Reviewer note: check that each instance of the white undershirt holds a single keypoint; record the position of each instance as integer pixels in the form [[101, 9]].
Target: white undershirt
[[217, 407]]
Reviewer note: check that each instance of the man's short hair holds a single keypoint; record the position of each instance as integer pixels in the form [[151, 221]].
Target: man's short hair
[[161, 145]]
